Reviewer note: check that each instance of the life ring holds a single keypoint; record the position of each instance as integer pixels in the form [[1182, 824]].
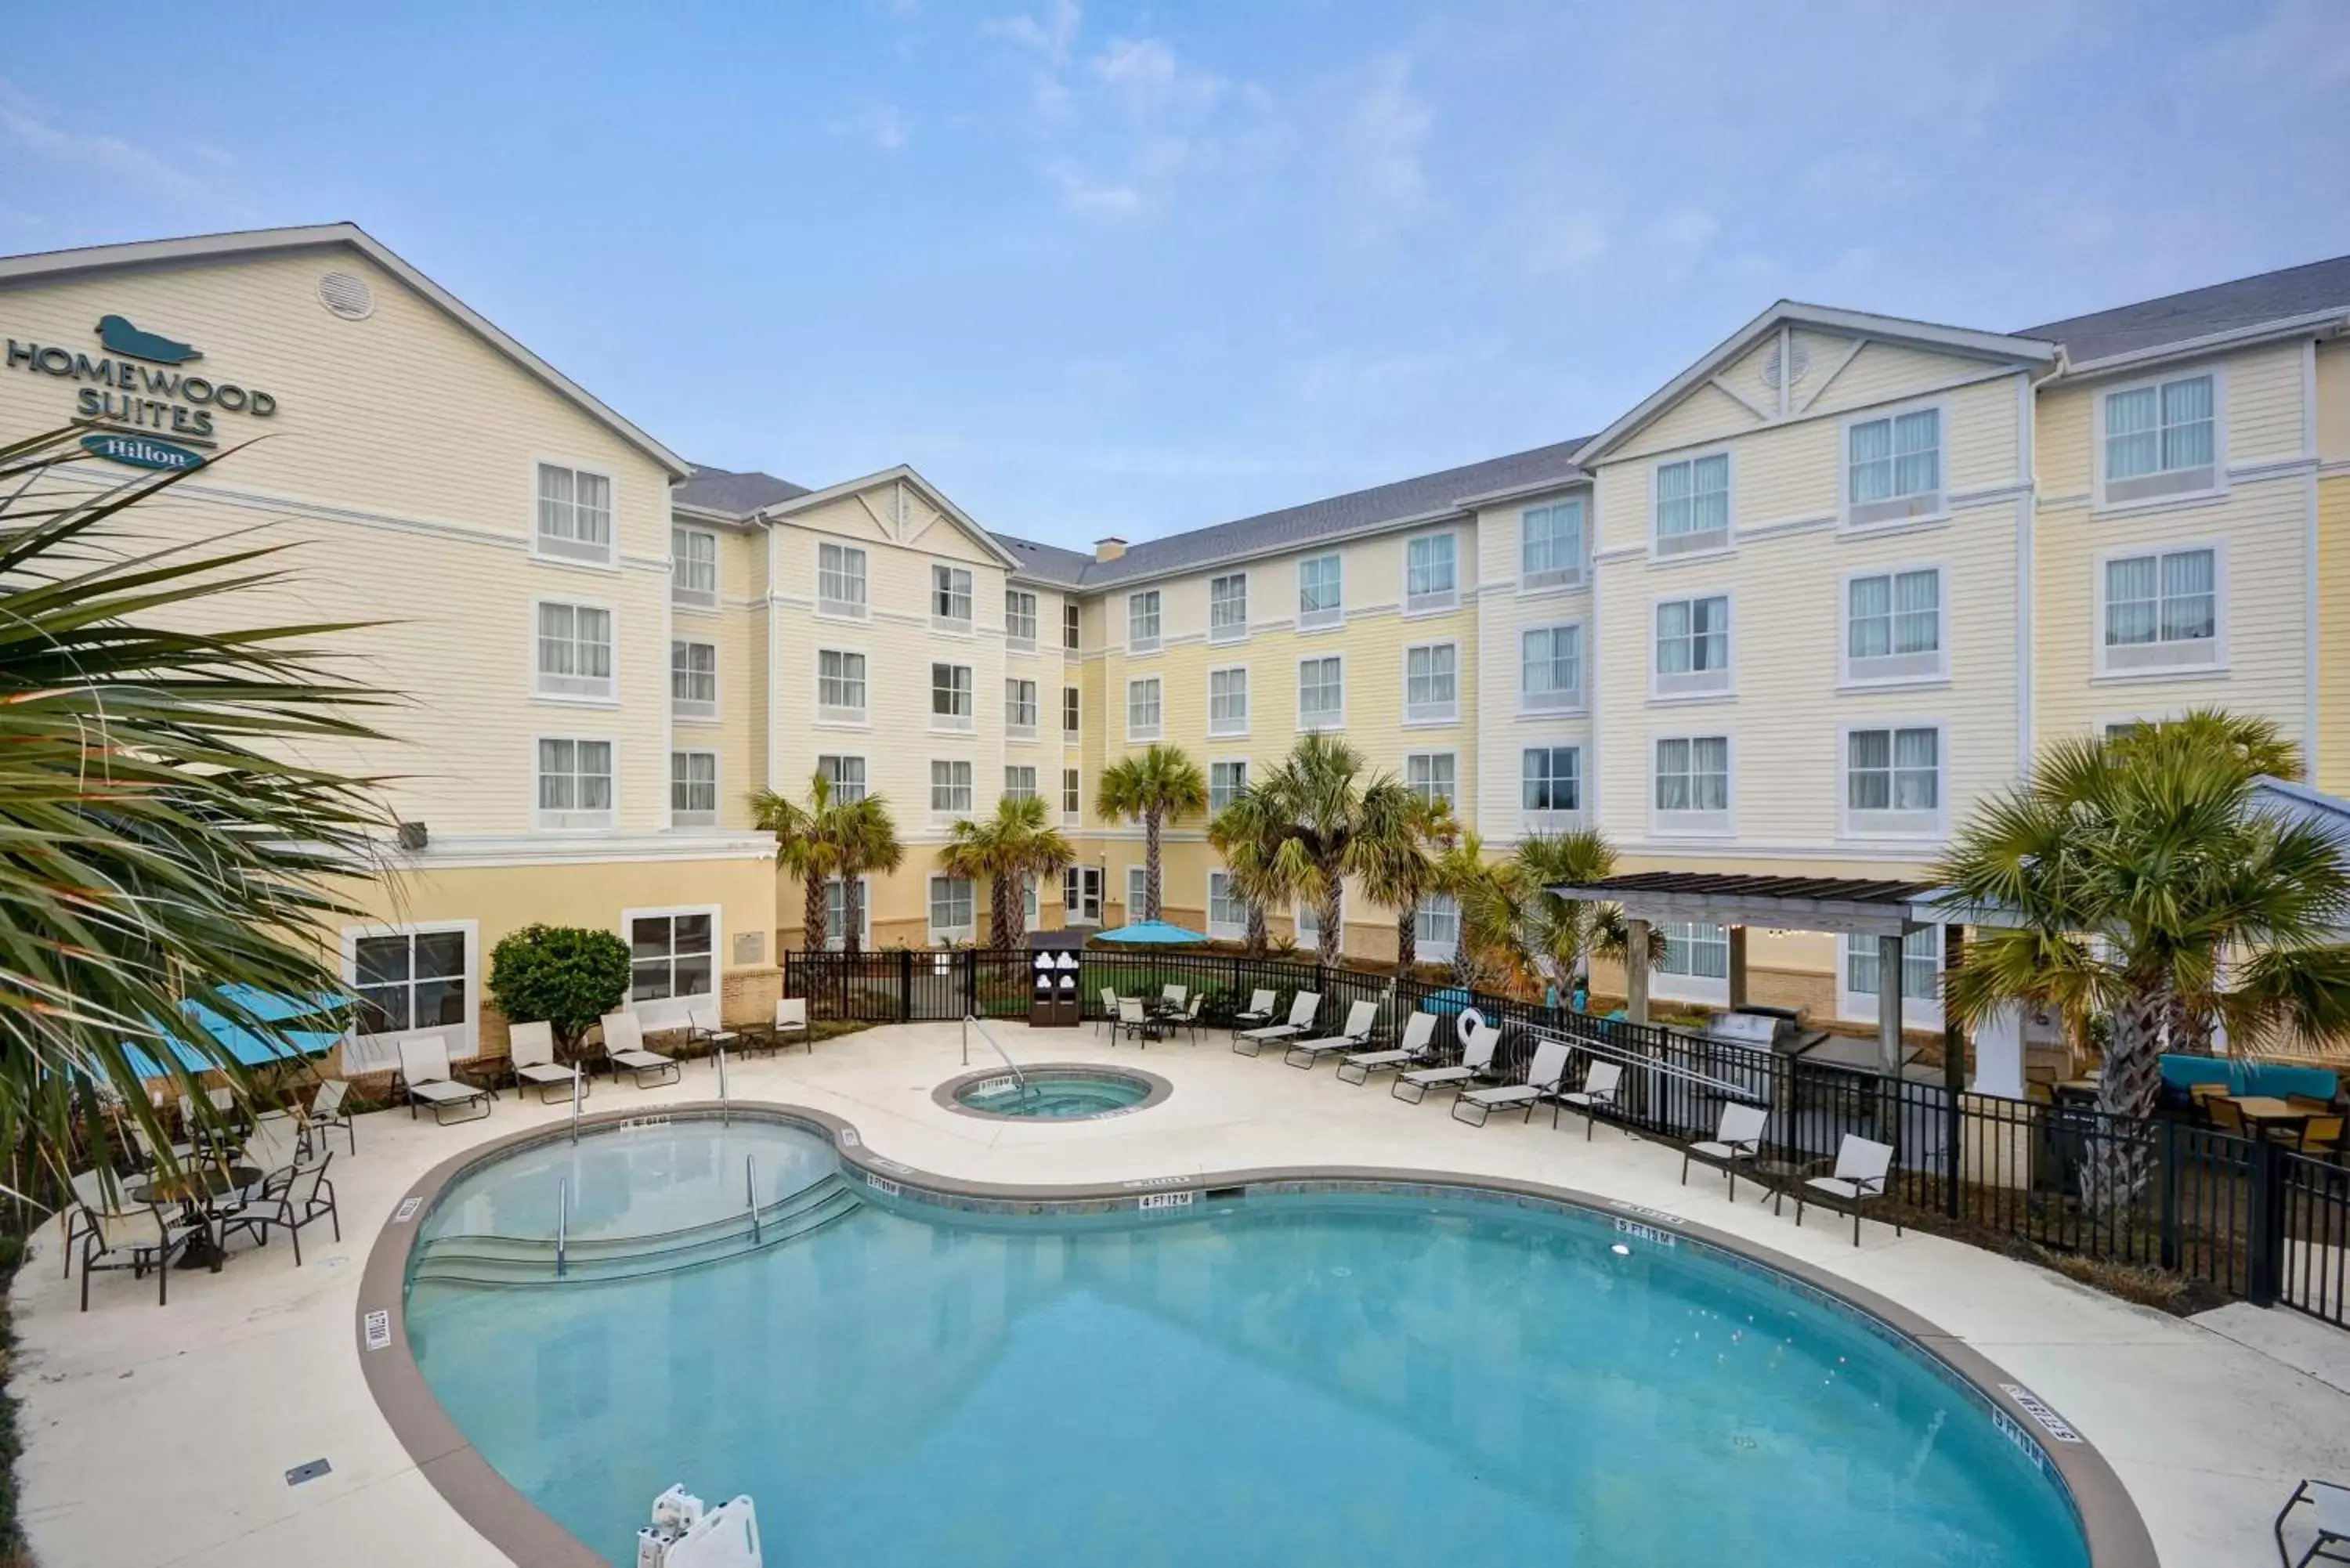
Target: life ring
[[1467, 1021]]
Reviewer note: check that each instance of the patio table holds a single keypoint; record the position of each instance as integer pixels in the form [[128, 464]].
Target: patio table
[[2265, 1111], [194, 1190]]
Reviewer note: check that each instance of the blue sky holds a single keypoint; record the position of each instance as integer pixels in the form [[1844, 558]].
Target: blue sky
[[1115, 268]]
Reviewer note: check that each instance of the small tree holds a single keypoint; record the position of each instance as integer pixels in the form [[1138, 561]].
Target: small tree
[[1159, 785], [570, 976]]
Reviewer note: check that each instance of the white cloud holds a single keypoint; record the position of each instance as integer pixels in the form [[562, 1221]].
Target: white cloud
[[1050, 36], [881, 124], [24, 125], [1086, 195], [1144, 76]]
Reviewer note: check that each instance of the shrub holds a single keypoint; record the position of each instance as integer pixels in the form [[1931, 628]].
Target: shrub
[[568, 975]]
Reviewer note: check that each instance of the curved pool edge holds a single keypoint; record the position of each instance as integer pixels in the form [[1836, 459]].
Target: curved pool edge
[[943, 1097], [2115, 1531]]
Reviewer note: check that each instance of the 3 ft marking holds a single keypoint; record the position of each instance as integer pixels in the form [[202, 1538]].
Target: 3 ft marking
[[2056, 1425], [1658, 1215], [379, 1329], [1166, 1200], [1154, 1181], [407, 1210], [1647, 1234], [882, 1184]]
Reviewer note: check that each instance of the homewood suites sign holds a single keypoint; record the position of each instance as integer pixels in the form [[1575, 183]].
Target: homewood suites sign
[[147, 409]]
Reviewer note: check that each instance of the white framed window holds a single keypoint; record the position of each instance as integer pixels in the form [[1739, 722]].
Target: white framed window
[[1028, 903], [1228, 701], [1431, 572], [955, 909], [1432, 776], [2161, 438], [1020, 782], [411, 981], [1020, 710], [1321, 592], [1322, 693], [1893, 627], [1696, 962], [1893, 468], [1432, 683], [672, 961], [1072, 618], [1142, 710], [950, 597], [1692, 648], [575, 515], [693, 680], [953, 703], [1142, 621], [1137, 887], [1436, 928], [1550, 545], [949, 787], [1072, 794], [1228, 609], [574, 658], [1226, 781], [693, 789], [1921, 979], [1550, 669], [693, 568], [1020, 620], [1309, 924], [1081, 895], [1692, 504], [1550, 789], [1227, 912], [845, 774], [574, 782], [1893, 780], [836, 913], [839, 686], [2162, 611], [1691, 785], [840, 582], [1072, 706]]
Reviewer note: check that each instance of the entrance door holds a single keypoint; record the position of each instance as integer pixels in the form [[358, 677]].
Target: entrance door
[[1081, 891]]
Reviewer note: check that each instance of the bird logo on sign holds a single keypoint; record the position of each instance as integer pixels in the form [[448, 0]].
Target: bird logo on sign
[[121, 338]]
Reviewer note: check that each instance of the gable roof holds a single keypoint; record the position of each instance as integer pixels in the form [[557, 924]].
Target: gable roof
[[2199, 314], [729, 493], [250, 243], [1992, 346], [901, 475]]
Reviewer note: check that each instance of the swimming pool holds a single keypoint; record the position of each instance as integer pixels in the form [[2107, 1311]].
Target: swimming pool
[[1053, 1092], [1324, 1377]]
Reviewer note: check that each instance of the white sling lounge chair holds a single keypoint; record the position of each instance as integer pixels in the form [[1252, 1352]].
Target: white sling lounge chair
[[1545, 1075], [1860, 1170], [1600, 1086], [424, 1075], [2332, 1504], [1361, 1019], [1302, 1009], [1739, 1138], [1418, 1044], [702, 1023], [533, 1059], [1257, 1014], [1476, 1062], [791, 1023], [624, 1048]]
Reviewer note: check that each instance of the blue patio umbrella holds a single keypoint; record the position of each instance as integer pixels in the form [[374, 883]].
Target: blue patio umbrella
[[1151, 933], [301, 1026]]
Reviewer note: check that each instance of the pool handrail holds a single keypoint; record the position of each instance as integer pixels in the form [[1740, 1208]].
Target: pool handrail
[[970, 1020], [562, 1224], [725, 1100], [1623, 1057], [751, 1193]]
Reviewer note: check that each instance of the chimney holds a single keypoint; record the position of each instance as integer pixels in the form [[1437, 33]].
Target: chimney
[[1109, 549]]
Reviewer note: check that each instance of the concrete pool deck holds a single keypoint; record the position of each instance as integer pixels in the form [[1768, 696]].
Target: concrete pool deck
[[162, 1437]]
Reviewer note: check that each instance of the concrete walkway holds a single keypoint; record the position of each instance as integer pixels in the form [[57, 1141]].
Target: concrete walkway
[[161, 1436]]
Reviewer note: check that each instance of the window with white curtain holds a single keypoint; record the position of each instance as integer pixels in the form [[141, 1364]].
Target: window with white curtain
[[953, 703], [2161, 611], [836, 913], [693, 789], [574, 782], [574, 514], [1142, 710], [1693, 783], [1552, 781], [1227, 911], [1431, 579], [1550, 545], [1893, 468], [954, 903], [949, 599], [840, 581], [575, 652], [1072, 705], [1893, 779], [1432, 683], [845, 775], [1225, 782], [1020, 619], [949, 787], [1142, 621], [1550, 669], [693, 679], [1228, 701], [1432, 776], [1228, 608], [1071, 621], [1692, 646], [1020, 782], [839, 685], [1321, 592], [1072, 790], [2161, 439], [1893, 626], [1137, 892], [1921, 965], [1436, 928], [1693, 505], [1020, 709], [1322, 693], [1693, 950], [693, 568]]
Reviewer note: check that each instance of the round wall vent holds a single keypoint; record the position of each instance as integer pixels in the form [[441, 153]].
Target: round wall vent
[[346, 295], [1800, 366]]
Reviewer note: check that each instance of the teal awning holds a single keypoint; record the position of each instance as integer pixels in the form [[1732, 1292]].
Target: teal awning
[[293, 1027]]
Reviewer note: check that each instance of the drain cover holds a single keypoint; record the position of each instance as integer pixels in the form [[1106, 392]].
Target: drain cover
[[310, 1471]]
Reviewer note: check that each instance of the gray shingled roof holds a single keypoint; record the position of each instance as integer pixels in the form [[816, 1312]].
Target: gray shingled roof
[[2199, 312], [735, 495]]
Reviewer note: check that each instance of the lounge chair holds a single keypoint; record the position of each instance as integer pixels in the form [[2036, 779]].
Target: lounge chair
[[624, 1048], [2332, 1505], [327, 1113], [1601, 1086], [703, 1025], [1545, 1076], [1257, 1013], [1418, 1044], [142, 1235], [1476, 1063], [290, 1200], [424, 1075], [532, 1062], [1860, 1170], [1302, 1009], [791, 1023], [1361, 1019], [1740, 1136]]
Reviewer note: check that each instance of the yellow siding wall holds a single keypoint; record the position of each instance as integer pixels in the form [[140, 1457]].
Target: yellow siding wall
[[2332, 424]]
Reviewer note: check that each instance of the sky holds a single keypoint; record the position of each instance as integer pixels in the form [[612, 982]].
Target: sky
[[1097, 268]]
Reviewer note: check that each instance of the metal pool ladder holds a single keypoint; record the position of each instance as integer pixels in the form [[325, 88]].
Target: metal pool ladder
[[751, 1193], [562, 1224], [972, 1022]]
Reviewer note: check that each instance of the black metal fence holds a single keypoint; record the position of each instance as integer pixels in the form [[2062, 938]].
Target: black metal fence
[[2246, 1217]]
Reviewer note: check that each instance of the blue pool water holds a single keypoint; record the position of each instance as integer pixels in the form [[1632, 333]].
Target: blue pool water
[[1353, 1380], [1046, 1094]]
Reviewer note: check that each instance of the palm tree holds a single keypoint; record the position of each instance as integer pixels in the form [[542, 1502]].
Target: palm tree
[[1316, 806], [1017, 843], [2144, 881], [1160, 785], [1249, 842], [865, 840], [1533, 936], [805, 848], [161, 846], [1400, 859]]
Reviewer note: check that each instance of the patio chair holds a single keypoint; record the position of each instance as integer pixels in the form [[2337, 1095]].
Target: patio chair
[[1134, 1021], [1109, 1012], [148, 1158], [1860, 1171], [142, 1235], [2321, 1136], [89, 1196], [1418, 1044], [1173, 993], [1361, 1019], [624, 1049], [1302, 1009], [1257, 1013], [289, 1198], [2332, 1505], [275, 1140], [1601, 1086], [1740, 1136], [1546, 1076], [1189, 1020], [327, 1113], [2227, 1117], [532, 1061], [424, 1075], [704, 1026], [1476, 1063], [791, 1023]]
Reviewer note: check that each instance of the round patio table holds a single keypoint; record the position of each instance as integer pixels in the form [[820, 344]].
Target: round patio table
[[194, 1191]]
